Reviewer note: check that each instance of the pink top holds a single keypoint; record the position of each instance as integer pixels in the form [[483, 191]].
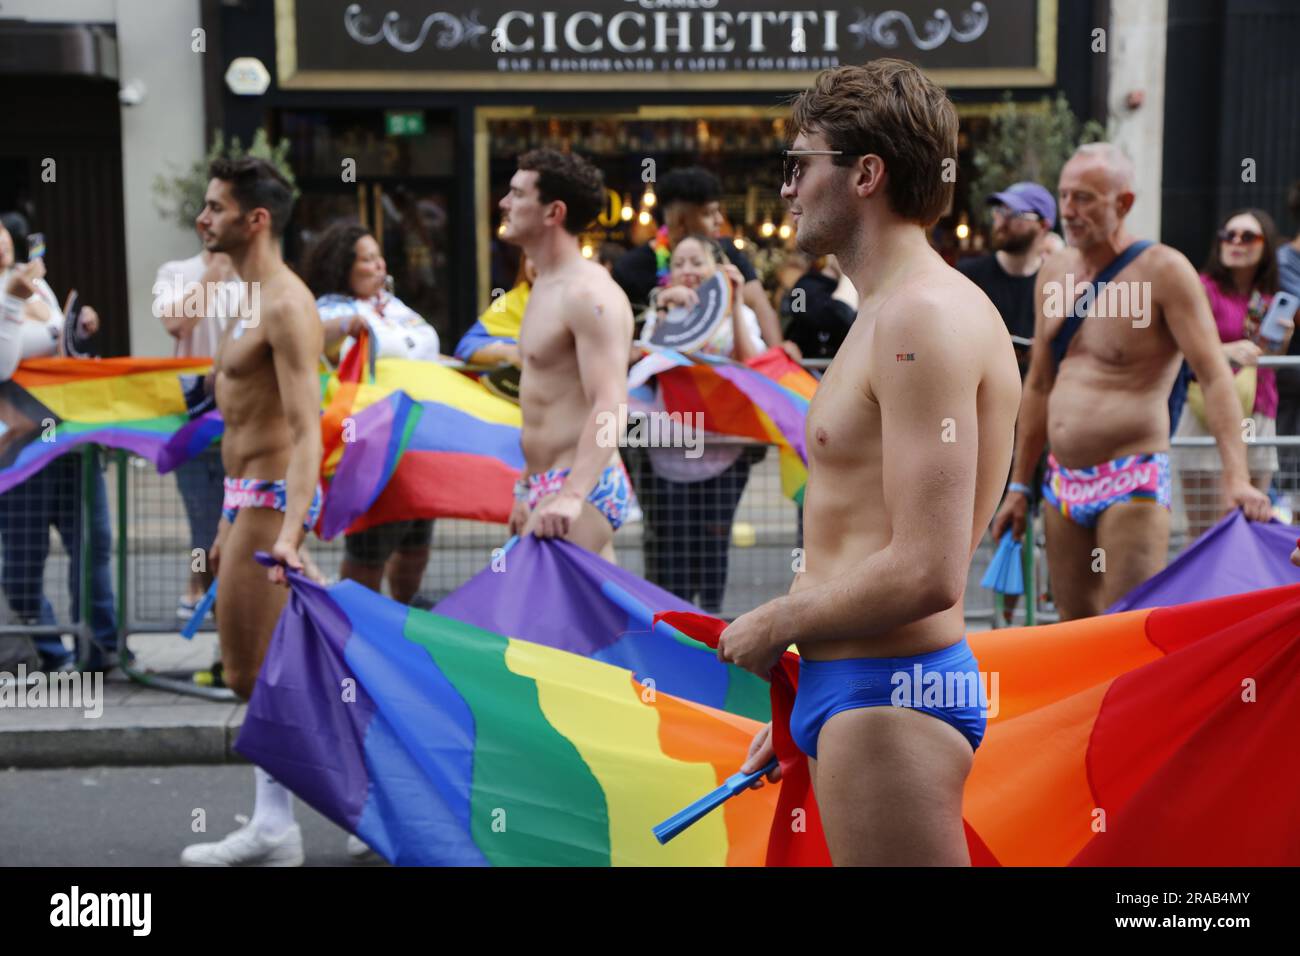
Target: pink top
[[1229, 310]]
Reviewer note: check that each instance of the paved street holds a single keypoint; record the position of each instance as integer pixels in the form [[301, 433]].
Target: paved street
[[134, 816]]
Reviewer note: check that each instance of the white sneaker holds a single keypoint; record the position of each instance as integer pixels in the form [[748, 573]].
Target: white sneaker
[[360, 851], [248, 846]]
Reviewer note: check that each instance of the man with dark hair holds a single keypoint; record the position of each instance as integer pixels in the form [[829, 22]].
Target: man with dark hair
[[575, 338], [689, 203], [1023, 216], [909, 437], [269, 394]]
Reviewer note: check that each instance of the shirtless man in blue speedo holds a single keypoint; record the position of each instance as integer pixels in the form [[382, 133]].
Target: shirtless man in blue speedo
[[909, 439]]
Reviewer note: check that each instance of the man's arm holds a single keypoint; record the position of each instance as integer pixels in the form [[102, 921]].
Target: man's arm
[[1187, 312], [1031, 421], [929, 485], [601, 322], [295, 337], [169, 304]]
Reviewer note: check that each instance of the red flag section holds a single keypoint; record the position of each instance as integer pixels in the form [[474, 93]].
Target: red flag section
[[1161, 737]]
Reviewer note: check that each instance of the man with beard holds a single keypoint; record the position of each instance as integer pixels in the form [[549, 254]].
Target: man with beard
[[909, 437], [1023, 217], [268, 391]]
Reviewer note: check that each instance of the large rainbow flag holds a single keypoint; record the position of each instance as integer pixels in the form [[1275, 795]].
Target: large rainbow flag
[[438, 742], [1152, 737], [765, 399], [51, 406]]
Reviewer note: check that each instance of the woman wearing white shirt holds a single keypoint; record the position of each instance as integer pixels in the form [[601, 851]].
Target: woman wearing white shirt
[[345, 269], [32, 326], [689, 503]]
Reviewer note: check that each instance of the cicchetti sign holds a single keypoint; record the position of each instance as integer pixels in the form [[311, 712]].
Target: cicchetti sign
[[659, 44]]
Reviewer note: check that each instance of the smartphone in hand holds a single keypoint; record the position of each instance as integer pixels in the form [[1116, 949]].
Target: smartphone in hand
[[1281, 312], [35, 246]]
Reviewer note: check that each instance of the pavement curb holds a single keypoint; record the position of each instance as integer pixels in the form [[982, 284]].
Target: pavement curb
[[128, 742]]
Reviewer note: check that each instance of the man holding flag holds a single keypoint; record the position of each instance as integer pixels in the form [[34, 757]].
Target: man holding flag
[[268, 392], [575, 338], [909, 437]]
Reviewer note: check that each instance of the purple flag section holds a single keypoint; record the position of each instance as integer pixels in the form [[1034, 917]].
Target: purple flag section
[[367, 462], [298, 712], [1233, 557], [549, 592], [191, 439]]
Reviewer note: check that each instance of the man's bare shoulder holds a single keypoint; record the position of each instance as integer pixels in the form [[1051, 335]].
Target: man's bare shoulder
[[590, 291], [289, 309], [942, 306], [1055, 266], [1162, 262]]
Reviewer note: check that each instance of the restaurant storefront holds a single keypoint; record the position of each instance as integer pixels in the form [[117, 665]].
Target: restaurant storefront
[[408, 114]]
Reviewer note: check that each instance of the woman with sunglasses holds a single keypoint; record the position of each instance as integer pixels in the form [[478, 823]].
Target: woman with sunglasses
[[1240, 277]]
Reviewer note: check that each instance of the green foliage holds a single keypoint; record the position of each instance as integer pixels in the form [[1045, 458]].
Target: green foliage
[[179, 197], [1028, 145]]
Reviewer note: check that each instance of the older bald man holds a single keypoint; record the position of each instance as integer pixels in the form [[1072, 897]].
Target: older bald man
[[1097, 391]]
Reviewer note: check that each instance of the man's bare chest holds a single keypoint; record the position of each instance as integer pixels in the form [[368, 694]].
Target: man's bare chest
[[844, 423], [244, 354], [1122, 323], [544, 340]]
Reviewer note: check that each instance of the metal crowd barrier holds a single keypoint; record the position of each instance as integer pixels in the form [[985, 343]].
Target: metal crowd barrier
[[37, 571], [680, 538]]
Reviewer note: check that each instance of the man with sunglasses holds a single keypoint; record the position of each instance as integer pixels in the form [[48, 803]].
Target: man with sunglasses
[[1022, 215], [909, 437], [1098, 389]]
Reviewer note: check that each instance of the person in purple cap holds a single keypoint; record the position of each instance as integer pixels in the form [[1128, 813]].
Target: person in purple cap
[[1023, 217]]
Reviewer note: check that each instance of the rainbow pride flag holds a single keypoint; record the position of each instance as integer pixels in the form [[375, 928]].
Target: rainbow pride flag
[[440, 743], [765, 400], [51, 406], [1151, 737], [416, 440]]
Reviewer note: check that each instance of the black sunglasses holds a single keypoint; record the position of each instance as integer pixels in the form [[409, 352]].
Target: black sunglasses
[[791, 168]]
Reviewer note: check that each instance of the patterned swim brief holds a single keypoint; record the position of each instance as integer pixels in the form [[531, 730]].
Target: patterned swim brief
[[262, 493], [1082, 494], [612, 495]]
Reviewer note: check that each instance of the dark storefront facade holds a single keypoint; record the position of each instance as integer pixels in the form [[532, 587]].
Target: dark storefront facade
[[1232, 98], [61, 160], [434, 105]]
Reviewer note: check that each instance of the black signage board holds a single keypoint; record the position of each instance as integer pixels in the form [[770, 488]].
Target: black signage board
[[659, 44]]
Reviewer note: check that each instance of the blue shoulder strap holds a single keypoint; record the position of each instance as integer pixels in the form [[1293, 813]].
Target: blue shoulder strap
[[1065, 334]]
